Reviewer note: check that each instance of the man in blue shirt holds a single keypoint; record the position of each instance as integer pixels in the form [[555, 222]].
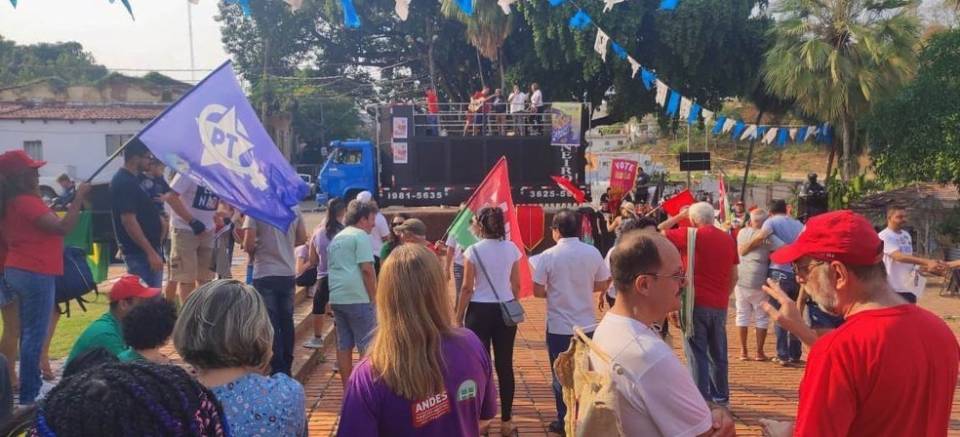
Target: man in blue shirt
[[136, 220]]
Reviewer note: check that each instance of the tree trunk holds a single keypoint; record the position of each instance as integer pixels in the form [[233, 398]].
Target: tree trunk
[[833, 154], [500, 62], [480, 69], [846, 169], [746, 171]]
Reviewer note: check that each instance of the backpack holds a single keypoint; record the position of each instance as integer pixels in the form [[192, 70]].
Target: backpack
[[76, 281], [591, 397]]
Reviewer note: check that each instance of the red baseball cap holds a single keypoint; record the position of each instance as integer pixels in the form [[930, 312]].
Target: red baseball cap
[[17, 160], [835, 236], [129, 286]]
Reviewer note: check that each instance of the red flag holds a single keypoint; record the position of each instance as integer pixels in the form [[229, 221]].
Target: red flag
[[673, 205], [567, 185], [495, 191], [531, 219]]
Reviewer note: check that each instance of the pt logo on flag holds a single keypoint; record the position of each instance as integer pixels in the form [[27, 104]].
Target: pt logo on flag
[[225, 142]]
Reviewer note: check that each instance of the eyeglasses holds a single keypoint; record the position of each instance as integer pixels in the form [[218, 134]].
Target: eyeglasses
[[804, 269], [680, 276]]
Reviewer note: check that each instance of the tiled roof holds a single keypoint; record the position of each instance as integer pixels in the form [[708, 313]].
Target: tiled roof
[[28, 111]]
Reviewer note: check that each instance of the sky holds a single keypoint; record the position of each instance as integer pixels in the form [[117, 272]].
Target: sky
[[156, 40]]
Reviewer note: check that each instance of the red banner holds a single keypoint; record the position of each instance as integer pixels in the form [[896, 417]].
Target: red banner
[[673, 205], [531, 219], [623, 173]]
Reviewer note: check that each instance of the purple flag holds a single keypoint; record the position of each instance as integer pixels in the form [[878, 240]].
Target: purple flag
[[213, 136]]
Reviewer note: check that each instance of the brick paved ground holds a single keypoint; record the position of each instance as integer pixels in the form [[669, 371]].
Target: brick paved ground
[[758, 390]]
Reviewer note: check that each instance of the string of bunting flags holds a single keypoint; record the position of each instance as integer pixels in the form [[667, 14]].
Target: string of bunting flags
[[675, 104]]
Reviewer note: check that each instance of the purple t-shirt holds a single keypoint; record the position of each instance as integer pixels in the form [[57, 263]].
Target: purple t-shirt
[[370, 408]]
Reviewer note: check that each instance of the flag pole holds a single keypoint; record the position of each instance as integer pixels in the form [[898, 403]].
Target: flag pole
[[110, 159]]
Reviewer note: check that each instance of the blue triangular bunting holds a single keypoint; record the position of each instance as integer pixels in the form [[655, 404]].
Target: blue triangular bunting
[[648, 77], [694, 116], [580, 20], [621, 53]]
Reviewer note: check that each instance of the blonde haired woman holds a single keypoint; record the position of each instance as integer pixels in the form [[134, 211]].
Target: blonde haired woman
[[423, 376], [224, 332]]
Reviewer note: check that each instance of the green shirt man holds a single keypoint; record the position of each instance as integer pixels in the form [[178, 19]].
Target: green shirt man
[[105, 332]]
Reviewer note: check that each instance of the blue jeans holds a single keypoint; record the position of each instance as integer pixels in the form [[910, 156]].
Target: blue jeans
[[707, 353], [36, 299], [457, 282], [556, 344], [137, 264], [788, 345], [277, 293]]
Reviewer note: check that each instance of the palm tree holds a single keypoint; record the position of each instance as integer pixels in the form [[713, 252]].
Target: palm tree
[[487, 28], [836, 57]]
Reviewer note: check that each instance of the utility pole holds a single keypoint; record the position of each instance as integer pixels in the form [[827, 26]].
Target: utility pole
[[190, 36]]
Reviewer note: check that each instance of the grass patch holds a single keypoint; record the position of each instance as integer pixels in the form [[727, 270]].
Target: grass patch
[[69, 328]]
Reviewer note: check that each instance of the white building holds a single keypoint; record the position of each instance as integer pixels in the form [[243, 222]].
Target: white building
[[73, 138]]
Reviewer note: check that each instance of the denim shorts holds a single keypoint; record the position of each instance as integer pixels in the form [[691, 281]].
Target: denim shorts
[[355, 325]]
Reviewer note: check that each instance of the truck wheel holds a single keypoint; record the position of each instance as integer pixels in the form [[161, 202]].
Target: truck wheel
[[351, 194]]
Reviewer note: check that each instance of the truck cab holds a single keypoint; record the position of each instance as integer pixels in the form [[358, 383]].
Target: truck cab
[[350, 169]]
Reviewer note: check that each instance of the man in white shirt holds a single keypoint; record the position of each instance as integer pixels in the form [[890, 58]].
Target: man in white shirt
[[898, 255], [518, 103], [381, 229], [655, 392], [536, 106], [191, 250], [567, 275]]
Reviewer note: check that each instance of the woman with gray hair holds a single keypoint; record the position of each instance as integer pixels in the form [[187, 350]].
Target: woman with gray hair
[[224, 332]]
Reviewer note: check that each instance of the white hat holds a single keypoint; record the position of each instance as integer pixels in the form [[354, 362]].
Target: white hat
[[364, 196]]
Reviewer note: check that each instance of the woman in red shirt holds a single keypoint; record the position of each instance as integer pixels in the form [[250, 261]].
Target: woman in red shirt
[[34, 239]]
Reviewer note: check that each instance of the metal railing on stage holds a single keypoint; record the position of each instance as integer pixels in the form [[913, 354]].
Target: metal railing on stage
[[493, 119]]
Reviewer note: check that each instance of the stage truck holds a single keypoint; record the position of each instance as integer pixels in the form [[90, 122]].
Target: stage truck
[[422, 158]]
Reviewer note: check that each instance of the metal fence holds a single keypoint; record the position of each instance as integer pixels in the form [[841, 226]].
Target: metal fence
[[493, 119]]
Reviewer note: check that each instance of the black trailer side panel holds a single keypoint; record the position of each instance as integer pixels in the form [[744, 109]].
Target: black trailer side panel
[[444, 170]]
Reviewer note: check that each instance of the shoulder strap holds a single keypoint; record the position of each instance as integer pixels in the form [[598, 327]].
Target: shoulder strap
[[484, 270]]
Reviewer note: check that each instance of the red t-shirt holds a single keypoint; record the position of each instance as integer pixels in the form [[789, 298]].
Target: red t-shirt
[[29, 247], [886, 372], [3, 251], [432, 106], [715, 256]]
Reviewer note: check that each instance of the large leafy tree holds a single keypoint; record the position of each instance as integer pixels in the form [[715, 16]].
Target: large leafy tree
[[915, 135], [706, 50], [836, 58], [67, 61]]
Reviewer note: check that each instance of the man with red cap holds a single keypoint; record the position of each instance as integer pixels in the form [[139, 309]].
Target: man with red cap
[[891, 368], [105, 332]]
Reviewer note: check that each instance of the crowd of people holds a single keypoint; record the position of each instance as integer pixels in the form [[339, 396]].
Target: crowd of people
[[877, 363]]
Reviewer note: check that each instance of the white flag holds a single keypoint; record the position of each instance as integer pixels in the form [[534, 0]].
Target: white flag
[[296, 4], [402, 8], [811, 132], [770, 136], [662, 91], [685, 104], [600, 45], [634, 65], [505, 5], [749, 133], [793, 134], [728, 124], [608, 4], [707, 116]]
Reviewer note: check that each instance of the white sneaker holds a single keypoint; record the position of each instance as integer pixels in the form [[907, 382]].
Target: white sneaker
[[313, 343]]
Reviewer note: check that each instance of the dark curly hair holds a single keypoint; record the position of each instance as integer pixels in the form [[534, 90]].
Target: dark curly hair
[[149, 324], [492, 223], [136, 398]]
